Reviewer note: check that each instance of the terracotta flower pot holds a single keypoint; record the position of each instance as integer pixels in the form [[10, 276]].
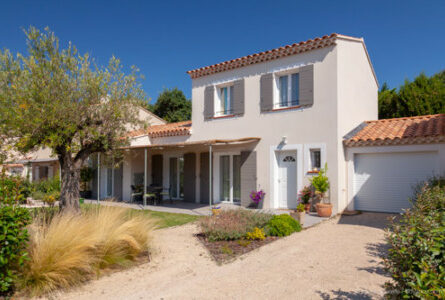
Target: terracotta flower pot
[[324, 210], [307, 207]]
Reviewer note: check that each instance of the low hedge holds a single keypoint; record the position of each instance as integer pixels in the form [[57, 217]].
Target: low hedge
[[416, 258], [282, 225]]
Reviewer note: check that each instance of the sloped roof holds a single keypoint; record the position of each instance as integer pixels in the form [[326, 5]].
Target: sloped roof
[[276, 53], [399, 131], [170, 129]]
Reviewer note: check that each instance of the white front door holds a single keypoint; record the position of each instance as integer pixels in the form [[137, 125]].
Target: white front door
[[287, 179]]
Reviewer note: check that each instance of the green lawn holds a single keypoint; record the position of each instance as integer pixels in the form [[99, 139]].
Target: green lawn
[[171, 219]]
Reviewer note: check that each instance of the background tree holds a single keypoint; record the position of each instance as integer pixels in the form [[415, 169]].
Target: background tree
[[423, 96], [173, 106], [59, 99]]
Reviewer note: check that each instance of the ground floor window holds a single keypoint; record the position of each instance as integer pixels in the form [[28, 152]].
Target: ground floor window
[[230, 178]]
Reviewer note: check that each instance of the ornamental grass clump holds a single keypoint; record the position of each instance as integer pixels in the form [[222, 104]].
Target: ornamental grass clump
[[232, 224], [74, 247]]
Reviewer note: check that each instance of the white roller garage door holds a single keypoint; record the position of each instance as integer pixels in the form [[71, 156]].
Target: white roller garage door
[[383, 182]]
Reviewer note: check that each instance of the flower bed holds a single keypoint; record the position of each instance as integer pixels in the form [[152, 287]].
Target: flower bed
[[235, 232]]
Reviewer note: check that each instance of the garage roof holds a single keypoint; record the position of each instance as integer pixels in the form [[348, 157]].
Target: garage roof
[[400, 131]]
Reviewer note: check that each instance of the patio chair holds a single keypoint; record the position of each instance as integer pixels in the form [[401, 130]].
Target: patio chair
[[151, 198], [136, 194]]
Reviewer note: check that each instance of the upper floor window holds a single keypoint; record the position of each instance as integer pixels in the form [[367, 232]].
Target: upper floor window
[[224, 103], [288, 90]]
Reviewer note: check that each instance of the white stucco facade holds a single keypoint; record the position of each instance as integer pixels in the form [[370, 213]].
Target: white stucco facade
[[345, 94]]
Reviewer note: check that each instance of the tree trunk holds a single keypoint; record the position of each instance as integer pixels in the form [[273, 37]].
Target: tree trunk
[[69, 194]]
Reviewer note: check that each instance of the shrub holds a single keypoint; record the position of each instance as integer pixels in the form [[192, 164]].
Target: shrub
[[232, 224], [72, 248], [13, 233], [256, 234], [416, 258], [48, 186], [282, 225], [38, 195], [321, 182]]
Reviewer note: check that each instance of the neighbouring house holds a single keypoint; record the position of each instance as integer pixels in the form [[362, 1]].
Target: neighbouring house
[[43, 164], [271, 120]]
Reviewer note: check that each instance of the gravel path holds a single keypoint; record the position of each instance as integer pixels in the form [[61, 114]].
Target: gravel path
[[338, 259]]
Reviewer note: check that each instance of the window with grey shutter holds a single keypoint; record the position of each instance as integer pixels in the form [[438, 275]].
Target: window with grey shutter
[[189, 177], [306, 94], [238, 97], [266, 92], [209, 102]]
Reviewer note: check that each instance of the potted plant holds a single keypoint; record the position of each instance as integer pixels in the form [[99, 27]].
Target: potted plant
[[86, 174], [321, 185], [256, 197], [305, 197], [299, 213]]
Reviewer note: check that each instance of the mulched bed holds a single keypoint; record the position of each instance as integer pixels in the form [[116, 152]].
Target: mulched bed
[[226, 251]]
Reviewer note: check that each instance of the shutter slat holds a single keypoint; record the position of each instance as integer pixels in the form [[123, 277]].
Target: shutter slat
[[266, 92]]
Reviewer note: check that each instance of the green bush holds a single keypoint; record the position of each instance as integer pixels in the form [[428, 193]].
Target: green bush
[[232, 224], [13, 233], [48, 186], [38, 195], [282, 225], [416, 258]]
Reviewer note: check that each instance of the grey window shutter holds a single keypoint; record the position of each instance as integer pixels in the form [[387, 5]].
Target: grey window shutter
[[266, 92], [204, 178], [306, 85], [238, 97], [189, 177], [209, 102], [248, 176]]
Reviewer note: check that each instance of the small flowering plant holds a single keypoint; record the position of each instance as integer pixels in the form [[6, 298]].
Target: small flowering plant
[[306, 194], [257, 196]]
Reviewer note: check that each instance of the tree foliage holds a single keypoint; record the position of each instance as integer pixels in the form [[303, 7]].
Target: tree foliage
[[422, 96], [173, 106], [61, 99]]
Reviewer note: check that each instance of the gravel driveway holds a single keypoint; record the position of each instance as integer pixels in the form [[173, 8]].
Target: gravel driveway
[[338, 259]]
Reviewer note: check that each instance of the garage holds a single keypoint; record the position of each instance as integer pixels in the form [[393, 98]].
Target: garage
[[388, 158], [384, 182]]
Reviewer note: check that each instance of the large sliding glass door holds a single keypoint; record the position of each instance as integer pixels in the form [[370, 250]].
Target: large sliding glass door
[[230, 178], [176, 177]]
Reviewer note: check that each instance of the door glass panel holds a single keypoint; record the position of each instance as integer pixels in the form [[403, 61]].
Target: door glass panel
[[224, 163], [237, 178], [283, 90], [181, 177], [173, 177]]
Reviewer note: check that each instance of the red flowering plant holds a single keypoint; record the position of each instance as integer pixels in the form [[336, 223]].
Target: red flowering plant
[[257, 196], [306, 194]]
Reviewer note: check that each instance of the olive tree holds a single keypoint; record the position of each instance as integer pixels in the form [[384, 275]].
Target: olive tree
[[55, 97]]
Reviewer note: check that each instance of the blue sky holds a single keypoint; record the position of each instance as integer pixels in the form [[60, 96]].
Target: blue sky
[[167, 38]]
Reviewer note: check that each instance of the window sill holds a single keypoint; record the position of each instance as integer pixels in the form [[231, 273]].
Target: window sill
[[286, 108], [313, 172], [223, 117]]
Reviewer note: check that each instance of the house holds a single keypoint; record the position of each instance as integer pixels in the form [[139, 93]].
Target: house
[[272, 119], [43, 164]]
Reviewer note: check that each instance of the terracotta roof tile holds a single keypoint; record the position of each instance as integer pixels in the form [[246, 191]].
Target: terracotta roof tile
[[276, 53], [409, 130], [170, 129]]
